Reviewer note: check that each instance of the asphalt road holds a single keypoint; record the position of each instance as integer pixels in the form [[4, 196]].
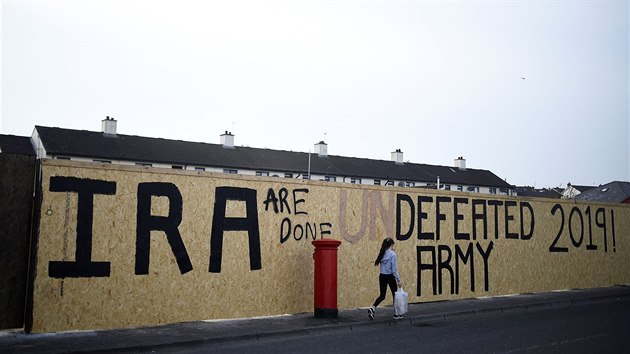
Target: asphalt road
[[600, 327]]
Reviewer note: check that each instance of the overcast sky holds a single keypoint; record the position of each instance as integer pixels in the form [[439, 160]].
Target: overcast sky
[[534, 91]]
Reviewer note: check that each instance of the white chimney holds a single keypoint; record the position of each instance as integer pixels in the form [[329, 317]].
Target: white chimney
[[108, 126], [397, 156], [321, 149], [227, 140], [460, 163]]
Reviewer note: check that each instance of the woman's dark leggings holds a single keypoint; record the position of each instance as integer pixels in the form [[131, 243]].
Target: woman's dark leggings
[[383, 281]]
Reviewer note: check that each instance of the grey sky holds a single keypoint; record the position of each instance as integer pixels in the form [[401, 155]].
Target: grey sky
[[436, 79]]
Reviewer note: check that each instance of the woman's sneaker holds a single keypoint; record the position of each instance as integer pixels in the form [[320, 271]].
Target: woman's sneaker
[[398, 317], [371, 313]]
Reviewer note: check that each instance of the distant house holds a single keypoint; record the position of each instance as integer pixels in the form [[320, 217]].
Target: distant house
[[613, 192], [558, 190], [573, 190], [527, 191], [107, 146], [17, 145]]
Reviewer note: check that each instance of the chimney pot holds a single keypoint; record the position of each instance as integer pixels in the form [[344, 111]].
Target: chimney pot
[[397, 156], [460, 163], [321, 149], [108, 126], [227, 140]]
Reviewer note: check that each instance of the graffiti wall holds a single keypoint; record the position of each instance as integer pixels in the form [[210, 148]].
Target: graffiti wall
[[128, 246]]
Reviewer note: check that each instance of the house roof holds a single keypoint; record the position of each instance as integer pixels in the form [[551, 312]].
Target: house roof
[[558, 190], [97, 145], [527, 191], [582, 189], [613, 192], [18, 145]]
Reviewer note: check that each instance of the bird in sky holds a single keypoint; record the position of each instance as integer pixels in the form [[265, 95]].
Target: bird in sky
[[522, 78]]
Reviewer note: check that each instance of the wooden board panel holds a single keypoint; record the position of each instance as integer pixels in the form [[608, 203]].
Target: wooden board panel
[[169, 246]]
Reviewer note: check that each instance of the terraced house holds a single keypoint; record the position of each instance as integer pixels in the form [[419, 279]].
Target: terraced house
[[107, 146]]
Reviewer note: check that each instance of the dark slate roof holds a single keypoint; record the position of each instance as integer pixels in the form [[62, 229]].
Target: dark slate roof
[[582, 189], [18, 145], [613, 192], [97, 145], [527, 191]]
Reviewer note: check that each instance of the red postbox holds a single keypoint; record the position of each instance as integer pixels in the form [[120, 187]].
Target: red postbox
[[325, 292]]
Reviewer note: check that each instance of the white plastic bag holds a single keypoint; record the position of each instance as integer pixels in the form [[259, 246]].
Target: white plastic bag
[[401, 299]]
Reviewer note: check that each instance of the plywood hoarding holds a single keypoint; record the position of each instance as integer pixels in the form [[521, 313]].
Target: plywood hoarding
[[128, 246]]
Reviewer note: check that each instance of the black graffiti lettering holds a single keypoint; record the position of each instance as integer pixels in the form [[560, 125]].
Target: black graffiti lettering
[[579, 222], [82, 266], [445, 264], [485, 255], [423, 216], [464, 258], [407, 199], [221, 224], [600, 221], [612, 222], [283, 194], [496, 204], [578, 242], [438, 215], [285, 225], [308, 230], [281, 203], [532, 221], [324, 229], [590, 245], [298, 228], [483, 216], [459, 217], [431, 266], [294, 229], [509, 217], [297, 201], [271, 199], [311, 230], [476, 215], [553, 247], [169, 224]]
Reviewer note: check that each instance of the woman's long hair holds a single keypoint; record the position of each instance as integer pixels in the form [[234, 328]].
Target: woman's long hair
[[387, 243]]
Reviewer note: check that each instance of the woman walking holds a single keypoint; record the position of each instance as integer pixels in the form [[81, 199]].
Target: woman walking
[[388, 276]]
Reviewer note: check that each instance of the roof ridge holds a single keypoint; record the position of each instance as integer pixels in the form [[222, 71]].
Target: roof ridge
[[89, 143]]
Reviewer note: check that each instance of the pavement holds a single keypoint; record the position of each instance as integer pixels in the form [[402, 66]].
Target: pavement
[[148, 338]]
